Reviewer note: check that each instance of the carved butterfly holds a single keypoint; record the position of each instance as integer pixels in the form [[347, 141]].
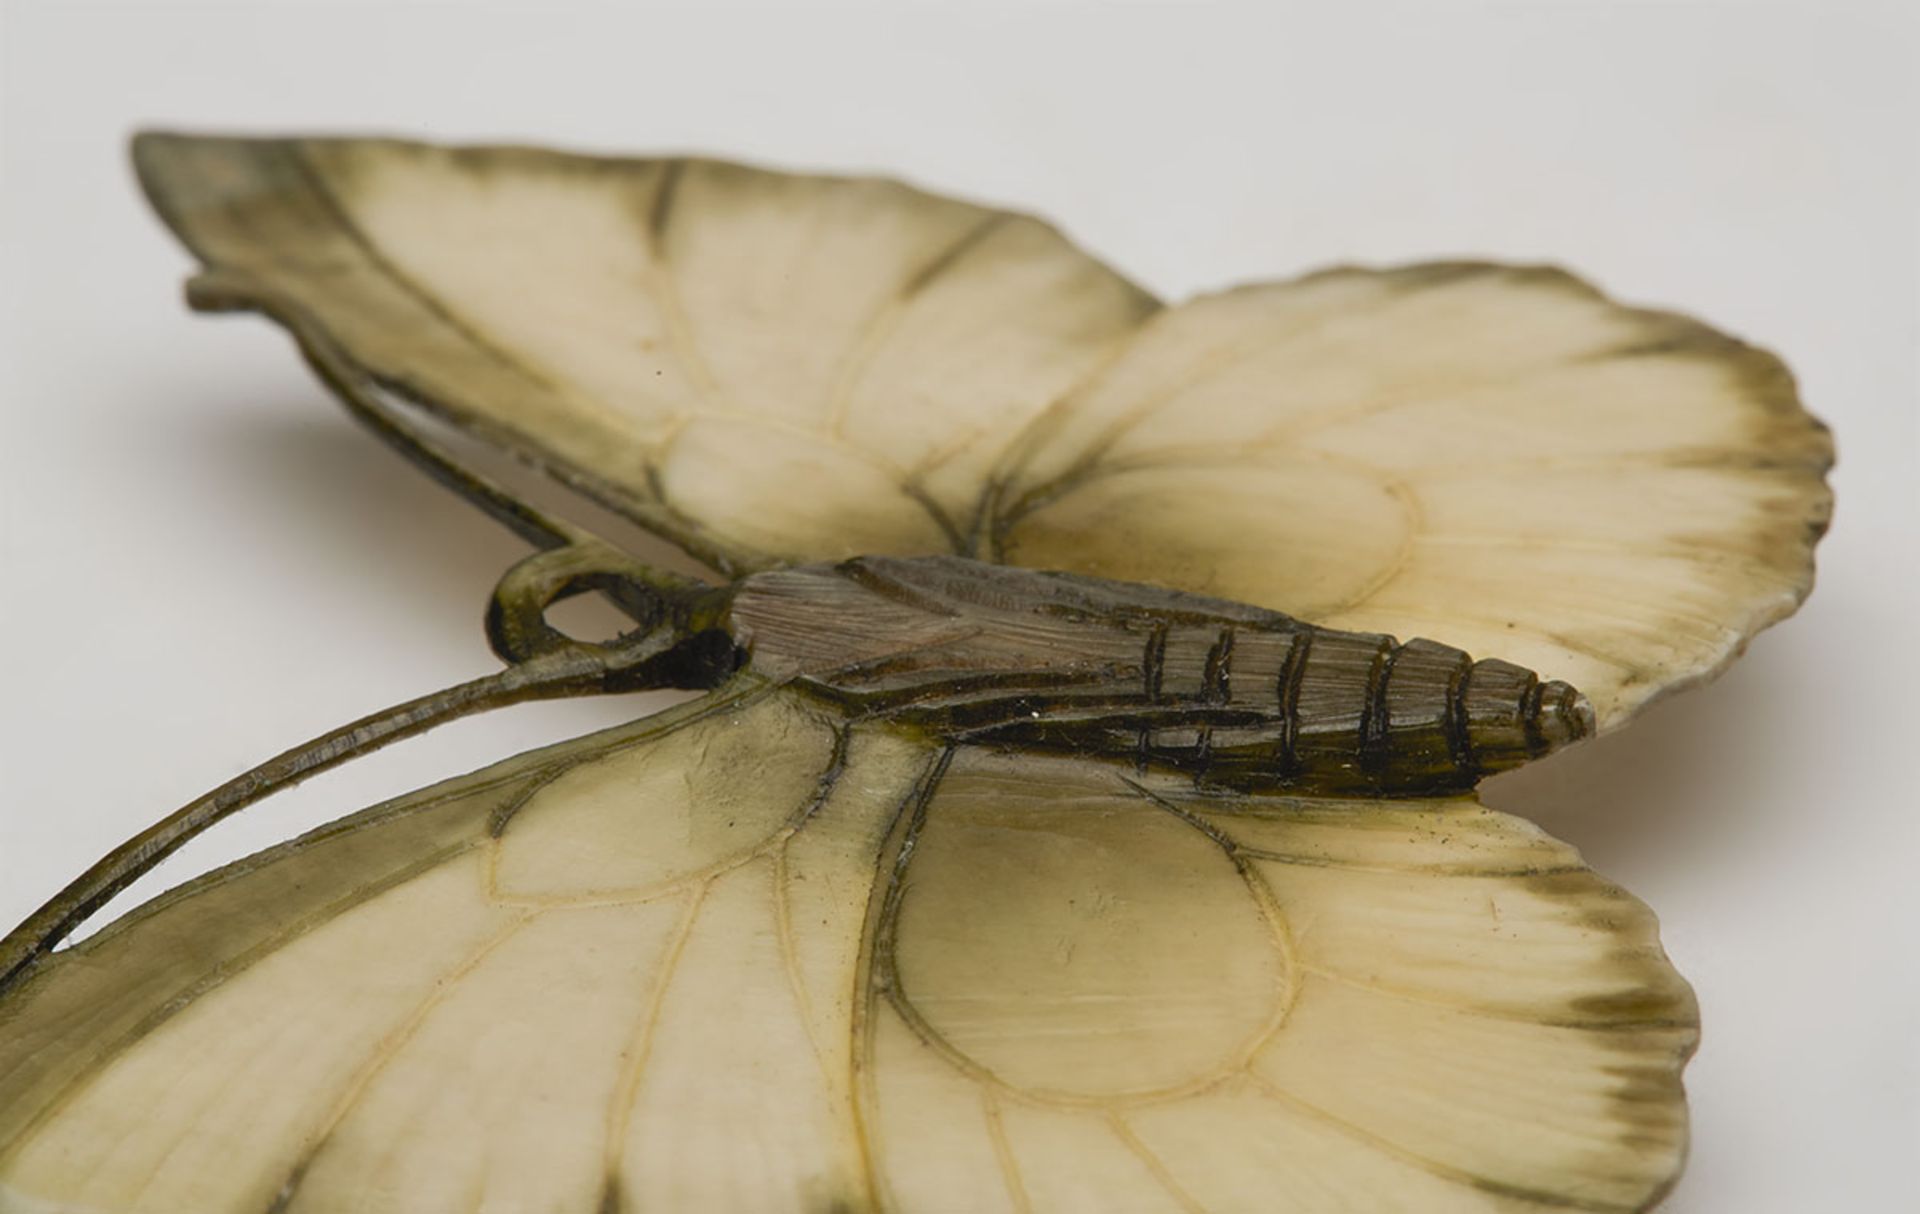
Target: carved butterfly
[[1020, 854]]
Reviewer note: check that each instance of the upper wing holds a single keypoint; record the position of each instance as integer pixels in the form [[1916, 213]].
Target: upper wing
[[770, 368], [1497, 457], [746, 959], [760, 366]]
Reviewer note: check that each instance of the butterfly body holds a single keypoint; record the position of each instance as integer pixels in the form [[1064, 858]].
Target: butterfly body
[[1235, 695]]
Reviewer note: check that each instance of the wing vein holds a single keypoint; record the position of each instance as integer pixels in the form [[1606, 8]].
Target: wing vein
[[789, 954], [1003, 1152], [386, 1049], [879, 326], [1304, 426], [1131, 1141], [627, 1091], [663, 285], [217, 977], [429, 301], [1217, 361], [782, 905], [1432, 1167], [875, 962]]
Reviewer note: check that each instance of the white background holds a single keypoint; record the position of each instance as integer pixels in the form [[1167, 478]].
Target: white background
[[204, 562]]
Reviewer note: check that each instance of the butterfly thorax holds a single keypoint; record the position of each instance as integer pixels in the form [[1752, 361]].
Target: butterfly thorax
[[1235, 695]]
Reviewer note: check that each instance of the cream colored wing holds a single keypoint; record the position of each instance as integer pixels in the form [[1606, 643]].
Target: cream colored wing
[[615, 975], [763, 367], [1496, 457], [1099, 992], [746, 959]]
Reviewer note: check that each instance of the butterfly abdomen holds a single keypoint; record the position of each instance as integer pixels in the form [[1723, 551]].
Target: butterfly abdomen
[[1355, 711], [1297, 706], [1234, 695]]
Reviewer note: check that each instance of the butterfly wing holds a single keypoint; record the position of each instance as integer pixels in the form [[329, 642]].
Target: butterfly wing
[[746, 958], [1497, 457], [1097, 991], [668, 335], [520, 988], [769, 368]]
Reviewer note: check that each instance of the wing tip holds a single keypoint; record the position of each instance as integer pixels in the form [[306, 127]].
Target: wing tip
[[192, 180]]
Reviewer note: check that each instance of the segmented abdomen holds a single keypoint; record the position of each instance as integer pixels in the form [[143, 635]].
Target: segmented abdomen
[[1357, 711]]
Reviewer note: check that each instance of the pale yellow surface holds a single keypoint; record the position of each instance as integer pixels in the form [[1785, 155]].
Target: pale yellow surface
[[1032, 903], [763, 366], [857, 975], [580, 838], [773, 368], [209, 1109], [1494, 457], [1419, 1006]]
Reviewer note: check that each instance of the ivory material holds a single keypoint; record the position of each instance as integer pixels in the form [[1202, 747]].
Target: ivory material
[[906, 978], [673, 331], [1495, 457], [770, 368]]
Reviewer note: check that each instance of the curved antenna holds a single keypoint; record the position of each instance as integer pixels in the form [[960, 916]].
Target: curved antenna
[[675, 646]]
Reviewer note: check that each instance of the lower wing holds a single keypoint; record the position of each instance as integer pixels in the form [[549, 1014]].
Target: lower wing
[[743, 957]]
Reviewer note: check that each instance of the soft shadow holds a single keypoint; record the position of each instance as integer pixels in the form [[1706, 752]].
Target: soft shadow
[[1684, 784], [344, 496]]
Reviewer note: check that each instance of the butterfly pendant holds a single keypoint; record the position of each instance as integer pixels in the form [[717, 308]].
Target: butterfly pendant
[[1078, 812]]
